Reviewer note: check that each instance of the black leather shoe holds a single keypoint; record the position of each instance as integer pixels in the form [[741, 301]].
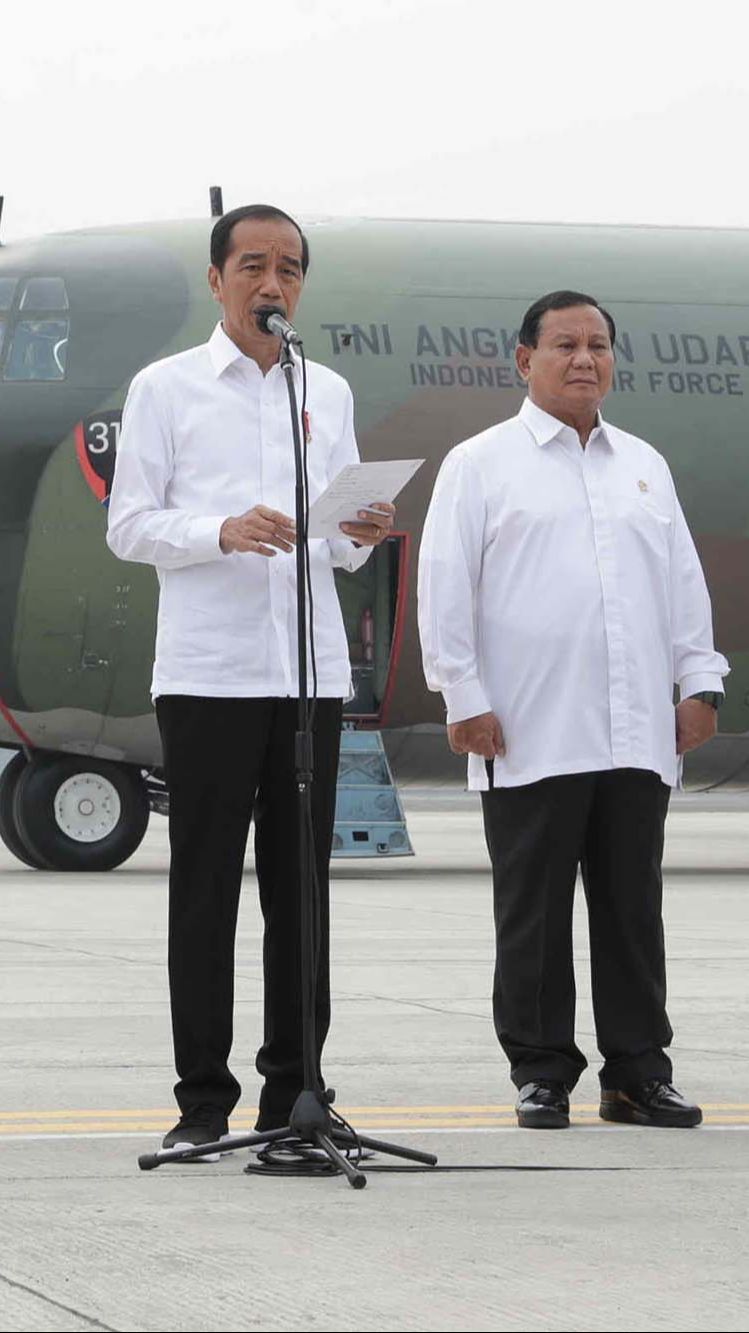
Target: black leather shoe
[[202, 1124], [652, 1103], [543, 1105]]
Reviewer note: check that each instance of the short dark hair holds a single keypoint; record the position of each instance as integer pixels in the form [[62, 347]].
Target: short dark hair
[[221, 234], [531, 325]]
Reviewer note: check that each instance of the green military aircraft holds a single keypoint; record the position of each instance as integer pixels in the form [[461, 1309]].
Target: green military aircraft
[[421, 318]]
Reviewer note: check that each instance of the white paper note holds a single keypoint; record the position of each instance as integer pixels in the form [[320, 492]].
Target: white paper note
[[358, 485]]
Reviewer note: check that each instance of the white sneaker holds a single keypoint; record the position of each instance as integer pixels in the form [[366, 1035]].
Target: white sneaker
[[209, 1156], [201, 1124]]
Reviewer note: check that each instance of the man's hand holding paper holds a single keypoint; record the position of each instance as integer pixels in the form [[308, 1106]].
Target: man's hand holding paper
[[359, 501], [377, 522]]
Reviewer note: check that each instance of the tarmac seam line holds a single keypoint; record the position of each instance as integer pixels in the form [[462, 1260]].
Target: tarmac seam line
[[79, 953], [408, 1004], [58, 1305]]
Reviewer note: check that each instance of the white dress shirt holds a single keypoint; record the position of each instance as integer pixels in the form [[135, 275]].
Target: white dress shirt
[[205, 436], [559, 588]]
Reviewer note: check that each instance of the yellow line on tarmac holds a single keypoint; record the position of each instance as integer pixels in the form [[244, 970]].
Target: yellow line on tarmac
[[157, 1113], [158, 1120], [168, 1111], [91, 1128]]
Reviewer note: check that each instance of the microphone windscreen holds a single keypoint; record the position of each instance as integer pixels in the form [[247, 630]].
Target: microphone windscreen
[[263, 314]]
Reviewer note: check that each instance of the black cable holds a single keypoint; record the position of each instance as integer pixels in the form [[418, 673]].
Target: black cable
[[290, 1157], [308, 572], [285, 1166], [342, 1123], [316, 904], [293, 1157], [498, 1166]]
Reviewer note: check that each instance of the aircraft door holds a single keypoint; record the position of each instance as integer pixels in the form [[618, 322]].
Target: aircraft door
[[373, 603]]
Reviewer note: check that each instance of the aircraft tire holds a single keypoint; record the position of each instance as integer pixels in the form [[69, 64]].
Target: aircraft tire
[[78, 813], [9, 831]]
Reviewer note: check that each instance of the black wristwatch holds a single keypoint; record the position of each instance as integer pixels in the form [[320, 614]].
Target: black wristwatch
[[711, 697]]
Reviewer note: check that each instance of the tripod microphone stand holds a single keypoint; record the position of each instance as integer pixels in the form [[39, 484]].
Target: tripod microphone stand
[[319, 1138]]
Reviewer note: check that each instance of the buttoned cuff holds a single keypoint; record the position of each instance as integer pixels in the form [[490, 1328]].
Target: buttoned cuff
[[699, 681], [204, 534], [465, 700], [346, 555]]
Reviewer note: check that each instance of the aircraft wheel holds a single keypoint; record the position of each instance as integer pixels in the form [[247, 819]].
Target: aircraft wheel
[[80, 814], [9, 831]]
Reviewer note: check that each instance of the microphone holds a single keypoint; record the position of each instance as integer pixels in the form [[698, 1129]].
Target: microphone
[[271, 319]]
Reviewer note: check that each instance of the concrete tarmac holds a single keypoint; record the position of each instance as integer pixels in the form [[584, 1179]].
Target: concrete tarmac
[[648, 1230]]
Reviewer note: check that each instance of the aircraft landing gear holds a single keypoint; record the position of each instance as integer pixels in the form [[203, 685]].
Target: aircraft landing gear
[[8, 828], [61, 812]]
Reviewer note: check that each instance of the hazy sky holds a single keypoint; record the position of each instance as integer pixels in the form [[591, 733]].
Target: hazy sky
[[568, 111]]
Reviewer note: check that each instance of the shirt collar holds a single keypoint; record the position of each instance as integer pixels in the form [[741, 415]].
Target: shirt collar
[[544, 428], [224, 353]]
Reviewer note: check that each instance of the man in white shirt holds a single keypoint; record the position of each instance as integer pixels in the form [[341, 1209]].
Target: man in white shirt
[[204, 490], [560, 600]]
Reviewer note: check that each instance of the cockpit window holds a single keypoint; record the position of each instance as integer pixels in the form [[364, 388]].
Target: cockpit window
[[44, 294], [7, 288], [37, 346], [38, 350]]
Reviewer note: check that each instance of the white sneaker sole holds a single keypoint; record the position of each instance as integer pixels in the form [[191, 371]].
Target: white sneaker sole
[[209, 1156]]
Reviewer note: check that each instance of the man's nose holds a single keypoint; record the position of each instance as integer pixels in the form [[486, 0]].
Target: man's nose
[[583, 357], [271, 286]]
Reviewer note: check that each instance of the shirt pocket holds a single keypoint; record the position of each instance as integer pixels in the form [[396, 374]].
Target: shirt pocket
[[657, 514], [635, 506], [643, 529]]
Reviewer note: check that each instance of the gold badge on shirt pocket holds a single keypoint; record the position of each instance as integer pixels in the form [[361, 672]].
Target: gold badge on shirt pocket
[[643, 485]]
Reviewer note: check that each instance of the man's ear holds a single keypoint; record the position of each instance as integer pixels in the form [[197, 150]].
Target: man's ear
[[214, 282], [523, 360]]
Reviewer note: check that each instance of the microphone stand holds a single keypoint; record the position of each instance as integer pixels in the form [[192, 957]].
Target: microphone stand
[[311, 1125]]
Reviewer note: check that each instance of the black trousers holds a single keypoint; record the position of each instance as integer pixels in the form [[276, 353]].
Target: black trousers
[[225, 760], [610, 824]]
